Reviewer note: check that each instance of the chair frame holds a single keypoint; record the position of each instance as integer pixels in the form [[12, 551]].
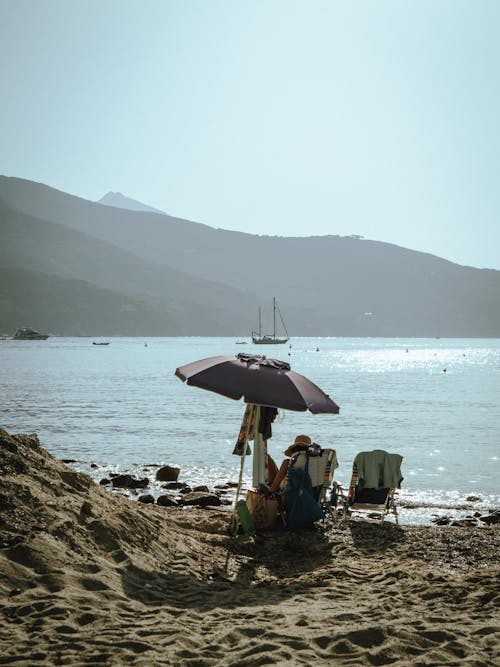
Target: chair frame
[[349, 505], [328, 474]]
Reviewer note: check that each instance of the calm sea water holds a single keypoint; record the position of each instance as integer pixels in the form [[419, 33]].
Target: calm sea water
[[435, 401]]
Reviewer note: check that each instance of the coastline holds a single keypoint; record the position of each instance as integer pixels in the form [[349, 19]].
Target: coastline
[[412, 511], [89, 577]]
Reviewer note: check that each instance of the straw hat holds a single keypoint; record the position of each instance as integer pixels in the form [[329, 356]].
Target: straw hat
[[301, 442]]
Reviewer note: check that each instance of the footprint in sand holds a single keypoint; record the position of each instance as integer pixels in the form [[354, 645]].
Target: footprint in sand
[[367, 637], [92, 584], [86, 619]]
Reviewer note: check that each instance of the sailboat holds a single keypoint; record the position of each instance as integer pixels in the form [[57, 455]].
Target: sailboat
[[267, 339]]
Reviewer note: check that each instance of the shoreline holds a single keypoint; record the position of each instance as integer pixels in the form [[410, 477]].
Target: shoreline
[[410, 511]]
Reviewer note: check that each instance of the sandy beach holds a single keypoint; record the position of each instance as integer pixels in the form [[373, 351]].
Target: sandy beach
[[91, 578]]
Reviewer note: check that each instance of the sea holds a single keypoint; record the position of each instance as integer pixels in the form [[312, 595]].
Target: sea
[[120, 408]]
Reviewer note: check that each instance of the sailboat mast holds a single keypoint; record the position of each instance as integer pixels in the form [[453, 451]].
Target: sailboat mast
[[260, 324], [283, 322], [274, 317]]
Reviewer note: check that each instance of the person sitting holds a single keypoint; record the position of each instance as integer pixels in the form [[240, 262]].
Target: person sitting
[[271, 469], [301, 444]]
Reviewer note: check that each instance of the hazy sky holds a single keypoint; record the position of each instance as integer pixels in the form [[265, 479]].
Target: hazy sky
[[379, 118]]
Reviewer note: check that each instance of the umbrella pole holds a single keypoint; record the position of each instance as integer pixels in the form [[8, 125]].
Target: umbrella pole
[[244, 447], [234, 518], [259, 454], [240, 478], [259, 465]]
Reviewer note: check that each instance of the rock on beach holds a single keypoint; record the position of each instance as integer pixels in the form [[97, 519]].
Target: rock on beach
[[167, 474]]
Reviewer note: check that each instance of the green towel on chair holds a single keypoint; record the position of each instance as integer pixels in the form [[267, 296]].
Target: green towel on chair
[[378, 469]]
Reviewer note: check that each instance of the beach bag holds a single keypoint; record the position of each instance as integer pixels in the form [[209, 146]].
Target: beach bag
[[302, 510], [264, 509]]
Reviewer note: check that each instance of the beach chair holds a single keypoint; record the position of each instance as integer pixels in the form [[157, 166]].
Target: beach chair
[[320, 468], [376, 476]]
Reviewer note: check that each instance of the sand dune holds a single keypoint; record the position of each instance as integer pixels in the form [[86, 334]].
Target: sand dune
[[89, 578]]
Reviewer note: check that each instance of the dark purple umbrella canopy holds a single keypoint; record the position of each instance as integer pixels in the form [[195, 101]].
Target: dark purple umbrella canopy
[[257, 380]]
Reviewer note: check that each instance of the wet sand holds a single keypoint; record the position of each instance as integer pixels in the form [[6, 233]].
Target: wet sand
[[91, 578]]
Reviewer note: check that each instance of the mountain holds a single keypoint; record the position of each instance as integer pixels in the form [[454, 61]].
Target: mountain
[[330, 285], [68, 307], [118, 200], [178, 302]]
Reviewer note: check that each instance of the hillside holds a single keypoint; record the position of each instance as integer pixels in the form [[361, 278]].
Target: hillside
[[75, 308], [100, 289], [328, 285]]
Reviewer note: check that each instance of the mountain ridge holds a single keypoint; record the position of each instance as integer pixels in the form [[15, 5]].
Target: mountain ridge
[[327, 285]]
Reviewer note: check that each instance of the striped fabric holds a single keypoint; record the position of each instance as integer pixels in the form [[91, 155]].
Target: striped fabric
[[321, 469]]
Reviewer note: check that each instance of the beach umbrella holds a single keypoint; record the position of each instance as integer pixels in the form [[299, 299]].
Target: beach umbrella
[[262, 382], [257, 380]]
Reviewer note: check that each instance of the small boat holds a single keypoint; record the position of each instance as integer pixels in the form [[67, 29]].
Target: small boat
[[267, 339], [94, 343], [26, 333]]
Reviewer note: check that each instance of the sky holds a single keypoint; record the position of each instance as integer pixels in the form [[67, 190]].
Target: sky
[[277, 117]]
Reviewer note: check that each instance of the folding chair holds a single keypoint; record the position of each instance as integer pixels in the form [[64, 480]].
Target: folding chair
[[321, 469], [375, 478]]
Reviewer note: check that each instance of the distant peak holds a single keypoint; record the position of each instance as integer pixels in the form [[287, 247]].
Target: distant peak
[[117, 200]]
